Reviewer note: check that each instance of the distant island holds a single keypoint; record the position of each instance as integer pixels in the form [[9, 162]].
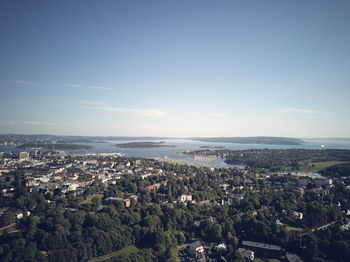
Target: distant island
[[142, 145], [211, 147], [55, 146], [264, 140]]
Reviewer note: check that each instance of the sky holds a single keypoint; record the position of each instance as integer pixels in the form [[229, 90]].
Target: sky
[[175, 68]]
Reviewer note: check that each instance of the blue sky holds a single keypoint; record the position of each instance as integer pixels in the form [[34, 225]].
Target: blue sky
[[175, 68]]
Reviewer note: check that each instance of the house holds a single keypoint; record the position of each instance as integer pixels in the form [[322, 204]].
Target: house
[[199, 251], [185, 195], [278, 222], [297, 215], [226, 201], [156, 186], [184, 198], [127, 202], [221, 247], [246, 253], [224, 186], [146, 175], [17, 212]]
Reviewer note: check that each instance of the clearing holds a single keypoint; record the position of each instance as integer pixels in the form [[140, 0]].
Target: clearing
[[318, 166], [124, 251]]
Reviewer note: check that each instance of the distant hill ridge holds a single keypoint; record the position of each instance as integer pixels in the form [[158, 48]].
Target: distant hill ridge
[[268, 140]]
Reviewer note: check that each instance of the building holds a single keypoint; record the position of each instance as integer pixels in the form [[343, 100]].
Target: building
[[156, 186], [297, 215], [263, 250], [184, 198], [185, 195], [127, 202], [246, 253], [221, 247], [62, 153], [17, 212], [23, 156], [199, 251]]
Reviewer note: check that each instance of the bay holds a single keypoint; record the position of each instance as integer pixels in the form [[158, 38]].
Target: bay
[[174, 154]]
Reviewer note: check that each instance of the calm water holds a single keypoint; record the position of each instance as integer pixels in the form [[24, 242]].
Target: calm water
[[181, 145]]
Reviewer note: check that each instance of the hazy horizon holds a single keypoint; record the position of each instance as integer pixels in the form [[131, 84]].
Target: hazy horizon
[[171, 137], [176, 68]]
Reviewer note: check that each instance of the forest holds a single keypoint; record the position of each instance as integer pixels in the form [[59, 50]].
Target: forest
[[280, 159]]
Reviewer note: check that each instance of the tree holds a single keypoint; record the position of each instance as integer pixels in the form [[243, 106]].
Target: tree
[[96, 203], [7, 219], [311, 243]]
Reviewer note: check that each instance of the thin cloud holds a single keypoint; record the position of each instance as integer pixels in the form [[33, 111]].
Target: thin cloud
[[27, 123], [210, 114], [31, 123], [142, 112], [304, 111], [38, 123], [28, 83], [93, 103], [73, 85], [100, 87], [90, 86], [7, 123]]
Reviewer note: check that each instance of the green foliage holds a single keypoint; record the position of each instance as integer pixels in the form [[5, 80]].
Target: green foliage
[[7, 219], [341, 170], [73, 229]]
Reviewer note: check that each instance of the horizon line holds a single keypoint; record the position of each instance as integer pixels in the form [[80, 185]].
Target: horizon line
[[175, 137]]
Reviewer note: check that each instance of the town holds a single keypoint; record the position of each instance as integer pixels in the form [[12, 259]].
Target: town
[[174, 212]]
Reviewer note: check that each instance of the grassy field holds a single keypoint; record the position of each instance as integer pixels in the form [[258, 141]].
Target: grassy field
[[124, 251], [318, 166]]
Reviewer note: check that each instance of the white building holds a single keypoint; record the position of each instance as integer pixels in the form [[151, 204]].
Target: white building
[[297, 215], [184, 198], [221, 247]]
